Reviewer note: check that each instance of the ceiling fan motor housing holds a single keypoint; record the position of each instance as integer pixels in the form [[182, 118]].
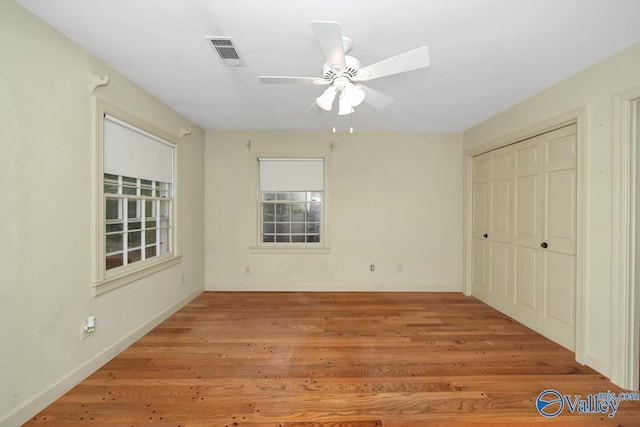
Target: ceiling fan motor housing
[[331, 72]]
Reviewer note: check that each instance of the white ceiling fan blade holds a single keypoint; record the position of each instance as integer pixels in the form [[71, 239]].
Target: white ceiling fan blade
[[376, 99], [408, 61], [288, 79], [329, 35]]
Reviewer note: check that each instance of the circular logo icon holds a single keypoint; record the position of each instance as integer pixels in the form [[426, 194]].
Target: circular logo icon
[[549, 403]]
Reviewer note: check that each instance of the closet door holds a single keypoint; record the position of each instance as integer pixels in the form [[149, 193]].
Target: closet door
[[480, 229], [559, 236], [524, 232], [527, 232], [500, 238]]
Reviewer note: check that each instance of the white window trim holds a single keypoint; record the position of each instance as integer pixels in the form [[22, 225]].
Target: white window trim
[[255, 246], [104, 281]]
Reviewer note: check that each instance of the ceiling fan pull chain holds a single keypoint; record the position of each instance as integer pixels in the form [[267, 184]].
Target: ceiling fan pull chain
[[333, 112]]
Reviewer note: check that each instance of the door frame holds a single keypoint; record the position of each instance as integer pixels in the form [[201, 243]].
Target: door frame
[[625, 310], [578, 116]]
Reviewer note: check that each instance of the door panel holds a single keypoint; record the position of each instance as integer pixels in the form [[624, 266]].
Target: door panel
[[479, 274], [499, 276], [559, 306], [480, 207], [526, 276], [501, 208], [526, 209], [560, 218]]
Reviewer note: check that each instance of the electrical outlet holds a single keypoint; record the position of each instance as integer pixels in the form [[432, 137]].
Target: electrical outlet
[[399, 268], [89, 328], [247, 270], [181, 279], [372, 267]]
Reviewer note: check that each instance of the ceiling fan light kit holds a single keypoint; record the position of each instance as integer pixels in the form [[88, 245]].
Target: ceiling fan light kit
[[343, 72]]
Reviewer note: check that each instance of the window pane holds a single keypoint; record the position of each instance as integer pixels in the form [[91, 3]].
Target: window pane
[[112, 210], [297, 228], [164, 241], [115, 227], [297, 212], [282, 212], [282, 238], [268, 212], [133, 208], [148, 208], [298, 196], [313, 228], [282, 228], [313, 239], [268, 228], [136, 225], [133, 256], [268, 238], [149, 224], [110, 188], [165, 208], [150, 252], [313, 215], [129, 189], [113, 261], [134, 240], [316, 196], [298, 239], [268, 196], [283, 196], [113, 242], [150, 237]]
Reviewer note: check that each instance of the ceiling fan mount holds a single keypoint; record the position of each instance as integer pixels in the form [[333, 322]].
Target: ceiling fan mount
[[343, 73]]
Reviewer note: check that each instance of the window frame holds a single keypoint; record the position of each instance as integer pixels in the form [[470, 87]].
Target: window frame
[[256, 244], [106, 280]]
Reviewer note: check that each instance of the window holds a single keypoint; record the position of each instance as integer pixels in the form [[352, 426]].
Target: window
[[136, 200], [137, 219], [290, 202]]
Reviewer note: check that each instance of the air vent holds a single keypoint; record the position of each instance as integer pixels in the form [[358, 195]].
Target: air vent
[[226, 51]]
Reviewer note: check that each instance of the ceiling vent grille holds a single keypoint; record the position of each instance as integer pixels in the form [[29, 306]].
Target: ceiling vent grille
[[226, 51]]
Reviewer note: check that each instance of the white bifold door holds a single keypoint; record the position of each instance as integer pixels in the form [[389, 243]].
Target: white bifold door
[[524, 232]]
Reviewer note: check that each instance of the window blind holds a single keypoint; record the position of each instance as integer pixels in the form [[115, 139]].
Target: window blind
[[130, 151], [291, 174]]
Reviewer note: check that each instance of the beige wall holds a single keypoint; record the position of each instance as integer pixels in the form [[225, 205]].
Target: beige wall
[[395, 198], [46, 218], [594, 90]]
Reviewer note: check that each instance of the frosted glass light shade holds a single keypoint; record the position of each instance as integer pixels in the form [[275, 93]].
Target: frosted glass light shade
[[344, 106], [325, 101], [355, 93]]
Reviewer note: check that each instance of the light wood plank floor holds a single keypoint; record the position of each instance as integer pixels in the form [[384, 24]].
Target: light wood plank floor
[[334, 359]]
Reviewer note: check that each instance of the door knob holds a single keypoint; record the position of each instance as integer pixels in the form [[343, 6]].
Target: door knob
[[485, 235], [544, 245]]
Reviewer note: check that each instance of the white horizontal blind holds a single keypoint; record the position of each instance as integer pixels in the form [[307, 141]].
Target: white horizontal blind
[[291, 174], [133, 152]]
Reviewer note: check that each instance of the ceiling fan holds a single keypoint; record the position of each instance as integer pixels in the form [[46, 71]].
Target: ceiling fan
[[343, 73]]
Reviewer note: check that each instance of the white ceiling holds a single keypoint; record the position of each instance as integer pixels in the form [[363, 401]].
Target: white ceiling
[[486, 55]]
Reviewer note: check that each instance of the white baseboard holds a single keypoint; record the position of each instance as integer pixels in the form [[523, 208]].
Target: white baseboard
[[24, 412]]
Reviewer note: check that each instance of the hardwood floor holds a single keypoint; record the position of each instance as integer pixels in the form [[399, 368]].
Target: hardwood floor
[[335, 359]]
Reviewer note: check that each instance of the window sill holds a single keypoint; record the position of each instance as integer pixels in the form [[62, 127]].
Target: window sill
[[132, 275], [289, 250]]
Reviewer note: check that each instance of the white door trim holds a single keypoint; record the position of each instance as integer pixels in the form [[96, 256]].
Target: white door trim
[[580, 117], [625, 309]]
